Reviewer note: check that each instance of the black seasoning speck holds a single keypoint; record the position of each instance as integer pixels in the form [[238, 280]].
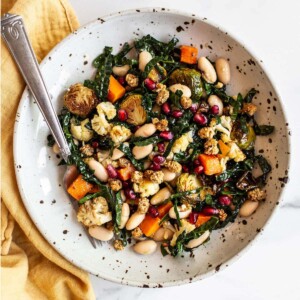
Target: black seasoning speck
[[42, 201], [145, 286], [65, 231], [179, 29], [274, 108], [85, 62], [218, 267], [186, 23], [244, 222], [270, 141], [168, 270]]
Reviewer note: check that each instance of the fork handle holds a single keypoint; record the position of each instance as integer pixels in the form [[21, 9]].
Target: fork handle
[[14, 33]]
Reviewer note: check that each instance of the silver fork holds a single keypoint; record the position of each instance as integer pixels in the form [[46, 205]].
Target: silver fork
[[14, 34]]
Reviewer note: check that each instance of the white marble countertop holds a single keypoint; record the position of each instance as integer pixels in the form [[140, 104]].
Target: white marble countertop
[[270, 269]]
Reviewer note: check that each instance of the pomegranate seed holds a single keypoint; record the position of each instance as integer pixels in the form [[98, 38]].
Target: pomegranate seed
[[155, 167], [150, 84], [112, 173], [95, 144], [125, 184], [193, 217], [185, 169], [122, 115], [194, 108], [209, 211], [200, 119], [121, 80], [130, 194], [215, 109], [166, 135], [224, 200], [161, 147], [177, 114], [197, 162], [166, 108], [153, 212], [199, 170], [158, 159]]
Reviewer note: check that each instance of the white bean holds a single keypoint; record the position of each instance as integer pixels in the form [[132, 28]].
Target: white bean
[[101, 233], [123, 195], [168, 175], [55, 149], [124, 215], [100, 171], [140, 152], [186, 91], [182, 214], [223, 70], [144, 58], [215, 100], [163, 234], [248, 208], [135, 220], [145, 247], [160, 196], [121, 71], [200, 240], [145, 130], [207, 69]]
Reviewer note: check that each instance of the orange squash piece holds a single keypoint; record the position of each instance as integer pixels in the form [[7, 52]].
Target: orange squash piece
[[224, 148], [115, 90], [211, 164], [79, 188], [188, 54], [164, 209], [125, 173], [202, 219], [150, 225]]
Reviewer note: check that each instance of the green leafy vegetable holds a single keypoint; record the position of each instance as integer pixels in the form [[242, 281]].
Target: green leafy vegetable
[[118, 208], [263, 129], [89, 197], [248, 98], [51, 140], [141, 141], [177, 213]]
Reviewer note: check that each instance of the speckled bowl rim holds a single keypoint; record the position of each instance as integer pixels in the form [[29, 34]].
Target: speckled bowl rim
[[156, 10]]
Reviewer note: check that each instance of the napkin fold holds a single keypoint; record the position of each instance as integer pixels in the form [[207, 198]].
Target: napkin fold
[[30, 267]]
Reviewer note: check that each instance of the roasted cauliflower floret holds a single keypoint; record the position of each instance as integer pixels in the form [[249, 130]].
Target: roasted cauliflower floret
[[173, 166], [222, 215], [87, 150], [211, 147], [136, 233], [225, 127], [80, 100], [94, 212], [181, 144], [115, 184], [160, 125], [100, 124], [235, 152], [154, 176], [137, 177], [108, 109], [80, 132], [185, 226], [143, 205], [256, 195], [206, 133], [162, 94], [118, 245], [188, 182], [146, 188], [120, 134]]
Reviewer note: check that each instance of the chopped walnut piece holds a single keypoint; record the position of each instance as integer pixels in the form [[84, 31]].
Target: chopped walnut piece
[[186, 102], [137, 177], [249, 109], [256, 195], [211, 147], [118, 245], [173, 166], [162, 94], [222, 215], [124, 162], [160, 125], [87, 150], [132, 80], [115, 184], [154, 176], [143, 205], [136, 232]]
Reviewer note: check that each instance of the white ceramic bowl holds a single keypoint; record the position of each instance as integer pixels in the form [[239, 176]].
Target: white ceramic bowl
[[40, 179]]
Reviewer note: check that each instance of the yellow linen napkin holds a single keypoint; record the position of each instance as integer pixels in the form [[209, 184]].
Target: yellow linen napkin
[[30, 267]]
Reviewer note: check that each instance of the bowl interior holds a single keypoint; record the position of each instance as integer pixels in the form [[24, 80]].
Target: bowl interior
[[40, 179]]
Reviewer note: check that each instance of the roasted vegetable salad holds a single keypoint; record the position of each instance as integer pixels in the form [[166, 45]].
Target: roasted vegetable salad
[[164, 154]]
